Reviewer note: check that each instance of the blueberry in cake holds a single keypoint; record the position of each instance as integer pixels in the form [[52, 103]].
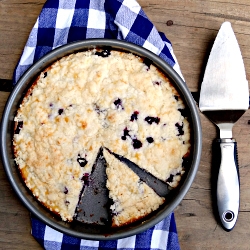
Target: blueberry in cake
[[93, 99]]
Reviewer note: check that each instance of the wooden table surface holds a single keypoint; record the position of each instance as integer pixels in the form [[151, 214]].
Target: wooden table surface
[[191, 26]]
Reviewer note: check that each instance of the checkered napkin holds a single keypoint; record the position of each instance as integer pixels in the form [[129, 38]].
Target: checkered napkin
[[64, 21], [162, 236]]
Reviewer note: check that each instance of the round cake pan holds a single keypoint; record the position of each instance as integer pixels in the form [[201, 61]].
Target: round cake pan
[[77, 229]]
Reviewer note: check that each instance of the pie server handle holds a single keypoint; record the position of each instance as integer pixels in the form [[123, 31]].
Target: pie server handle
[[228, 185]]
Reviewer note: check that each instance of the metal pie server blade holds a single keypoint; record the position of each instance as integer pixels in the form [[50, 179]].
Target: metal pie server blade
[[224, 97]]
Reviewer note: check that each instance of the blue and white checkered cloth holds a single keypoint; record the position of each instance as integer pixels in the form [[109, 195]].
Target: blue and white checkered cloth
[[64, 21], [162, 236]]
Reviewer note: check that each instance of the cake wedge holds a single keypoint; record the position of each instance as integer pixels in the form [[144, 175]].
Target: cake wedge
[[132, 198]]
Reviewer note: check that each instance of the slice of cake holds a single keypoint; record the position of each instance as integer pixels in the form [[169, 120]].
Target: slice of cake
[[132, 198]]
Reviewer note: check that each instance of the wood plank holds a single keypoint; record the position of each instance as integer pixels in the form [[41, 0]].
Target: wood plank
[[195, 25], [15, 220], [196, 222], [16, 21]]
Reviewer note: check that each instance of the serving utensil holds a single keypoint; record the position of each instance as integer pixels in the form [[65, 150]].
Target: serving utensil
[[224, 97]]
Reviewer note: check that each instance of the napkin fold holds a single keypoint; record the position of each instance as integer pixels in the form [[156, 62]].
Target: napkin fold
[[64, 21]]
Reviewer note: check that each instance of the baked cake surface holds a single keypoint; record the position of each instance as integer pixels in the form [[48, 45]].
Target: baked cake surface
[[133, 199], [94, 99]]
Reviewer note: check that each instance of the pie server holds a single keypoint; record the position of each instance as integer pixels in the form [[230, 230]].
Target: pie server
[[224, 97]]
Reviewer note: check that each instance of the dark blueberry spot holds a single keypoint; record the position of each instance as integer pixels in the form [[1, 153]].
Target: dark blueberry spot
[[65, 190], [45, 74], [104, 220], [19, 127], [157, 83], [60, 111], [82, 161], [97, 109], [150, 119], [150, 139], [85, 179], [51, 105], [125, 134], [137, 144], [104, 53], [118, 103], [180, 128], [134, 116], [184, 112], [98, 53], [185, 162], [176, 97], [170, 178], [114, 213], [147, 62]]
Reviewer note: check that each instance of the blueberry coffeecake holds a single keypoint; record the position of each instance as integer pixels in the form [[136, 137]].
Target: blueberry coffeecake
[[95, 99]]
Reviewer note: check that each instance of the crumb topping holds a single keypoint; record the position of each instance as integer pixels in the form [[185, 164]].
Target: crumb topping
[[133, 199], [95, 99]]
